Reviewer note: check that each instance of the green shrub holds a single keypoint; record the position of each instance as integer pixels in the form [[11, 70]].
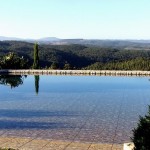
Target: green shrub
[[141, 134], [13, 61]]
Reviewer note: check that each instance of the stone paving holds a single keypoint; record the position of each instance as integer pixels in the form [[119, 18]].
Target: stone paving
[[40, 144]]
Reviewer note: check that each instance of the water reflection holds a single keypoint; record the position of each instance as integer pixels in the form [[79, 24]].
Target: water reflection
[[37, 79], [12, 80], [15, 80]]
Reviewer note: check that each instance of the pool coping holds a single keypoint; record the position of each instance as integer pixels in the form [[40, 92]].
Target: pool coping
[[75, 72]]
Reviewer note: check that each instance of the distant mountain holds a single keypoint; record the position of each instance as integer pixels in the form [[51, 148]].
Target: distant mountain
[[140, 41], [46, 39], [3, 38], [67, 42], [49, 39], [123, 44]]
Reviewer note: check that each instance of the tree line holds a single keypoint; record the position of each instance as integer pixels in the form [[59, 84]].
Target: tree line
[[22, 55], [134, 64]]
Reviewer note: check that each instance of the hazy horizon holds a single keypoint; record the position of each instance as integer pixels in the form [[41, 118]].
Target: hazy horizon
[[28, 38], [80, 19]]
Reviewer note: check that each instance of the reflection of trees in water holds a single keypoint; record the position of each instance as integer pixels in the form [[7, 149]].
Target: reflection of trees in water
[[12, 80], [16, 80], [37, 78]]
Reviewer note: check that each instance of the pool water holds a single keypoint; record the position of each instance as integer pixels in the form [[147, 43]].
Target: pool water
[[101, 109]]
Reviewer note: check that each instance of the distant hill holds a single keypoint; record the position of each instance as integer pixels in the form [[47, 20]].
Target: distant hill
[[49, 39], [118, 44], [3, 38], [46, 39]]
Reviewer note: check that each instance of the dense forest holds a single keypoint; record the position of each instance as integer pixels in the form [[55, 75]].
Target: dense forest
[[75, 56]]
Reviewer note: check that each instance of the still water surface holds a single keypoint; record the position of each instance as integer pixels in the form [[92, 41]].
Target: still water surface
[[74, 108]]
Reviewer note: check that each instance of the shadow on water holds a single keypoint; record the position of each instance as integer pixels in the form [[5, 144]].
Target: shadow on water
[[17, 125], [22, 119], [12, 80], [32, 113]]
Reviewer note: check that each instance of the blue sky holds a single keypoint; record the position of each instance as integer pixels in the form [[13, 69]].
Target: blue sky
[[89, 19]]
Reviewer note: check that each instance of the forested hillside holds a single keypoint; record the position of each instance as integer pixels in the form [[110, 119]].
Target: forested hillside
[[76, 56]]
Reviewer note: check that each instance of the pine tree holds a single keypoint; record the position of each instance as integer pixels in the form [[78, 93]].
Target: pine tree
[[36, 57]]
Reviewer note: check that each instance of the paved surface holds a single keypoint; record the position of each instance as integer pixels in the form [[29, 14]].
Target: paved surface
[[40, 144]]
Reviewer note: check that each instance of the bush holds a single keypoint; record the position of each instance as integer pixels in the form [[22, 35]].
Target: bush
[[13, 61], [141, 134]]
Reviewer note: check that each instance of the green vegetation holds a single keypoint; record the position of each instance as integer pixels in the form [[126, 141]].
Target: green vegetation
[[54, 65], [116, 56], [67, 66], [13, 61], [141, 135], [134, 64], [36, 57]]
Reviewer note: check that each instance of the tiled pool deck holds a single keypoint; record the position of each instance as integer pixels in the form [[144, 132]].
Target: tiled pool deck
[[40, 144]]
